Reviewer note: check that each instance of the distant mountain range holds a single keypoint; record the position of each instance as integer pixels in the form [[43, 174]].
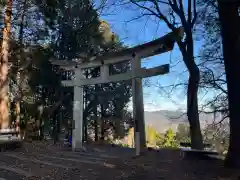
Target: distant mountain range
[[164, 119]]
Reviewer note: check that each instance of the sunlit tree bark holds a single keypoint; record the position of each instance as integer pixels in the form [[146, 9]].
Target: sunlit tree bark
[[4, 102]]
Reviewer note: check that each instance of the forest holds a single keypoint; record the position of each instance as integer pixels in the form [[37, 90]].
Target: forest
[[32, 98]]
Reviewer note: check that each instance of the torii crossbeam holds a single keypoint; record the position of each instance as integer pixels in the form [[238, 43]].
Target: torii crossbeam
[[135, 54]]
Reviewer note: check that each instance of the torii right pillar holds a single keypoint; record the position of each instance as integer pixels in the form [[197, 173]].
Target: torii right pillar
[[138, 107]]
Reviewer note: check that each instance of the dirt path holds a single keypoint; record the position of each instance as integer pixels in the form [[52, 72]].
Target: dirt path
[[48, 162], [36, 163]]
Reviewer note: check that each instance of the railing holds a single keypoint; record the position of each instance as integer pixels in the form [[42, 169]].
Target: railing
[[188, 144], [8, 134]]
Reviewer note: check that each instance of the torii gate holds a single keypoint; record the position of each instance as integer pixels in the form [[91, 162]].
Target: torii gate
[[135, 54]]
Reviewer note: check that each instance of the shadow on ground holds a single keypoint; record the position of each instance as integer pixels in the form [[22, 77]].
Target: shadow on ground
[[118, 163]]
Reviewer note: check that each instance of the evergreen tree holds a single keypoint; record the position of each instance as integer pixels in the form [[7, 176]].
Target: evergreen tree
[[183, 133], [76, 33], [169, 139]]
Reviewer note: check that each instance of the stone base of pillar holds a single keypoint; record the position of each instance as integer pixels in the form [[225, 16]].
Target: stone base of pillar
[[137, 143], [78, 147]]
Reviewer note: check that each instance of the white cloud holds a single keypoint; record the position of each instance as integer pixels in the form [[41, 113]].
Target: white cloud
[[165, 105]]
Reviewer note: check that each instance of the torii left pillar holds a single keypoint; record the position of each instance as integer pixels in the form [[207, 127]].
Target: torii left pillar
[[77, 139], [138, 107]]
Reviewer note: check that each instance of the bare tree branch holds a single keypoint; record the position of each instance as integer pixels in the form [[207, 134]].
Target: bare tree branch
[[195, 14]]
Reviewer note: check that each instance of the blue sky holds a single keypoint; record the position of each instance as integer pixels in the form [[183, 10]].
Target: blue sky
[[143, 30]]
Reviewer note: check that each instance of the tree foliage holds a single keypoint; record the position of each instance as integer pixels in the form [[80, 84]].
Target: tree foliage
[[212, 67], [63, 30], [153, 137], [218, 136], [169, 139], [183, 133]]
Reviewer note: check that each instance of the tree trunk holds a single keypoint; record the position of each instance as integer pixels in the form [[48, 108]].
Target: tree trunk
[[19, 77], [192, 92], [230, 30], [102, 129], [55, 129], [96, 124], [117, 126], [95, 110], [102, 123], [96, 129], [85, 130], [192, 111], [18, 99], [17, 106], [4, 102]]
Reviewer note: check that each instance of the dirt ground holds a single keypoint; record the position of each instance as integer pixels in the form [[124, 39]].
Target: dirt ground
[[42, 160]]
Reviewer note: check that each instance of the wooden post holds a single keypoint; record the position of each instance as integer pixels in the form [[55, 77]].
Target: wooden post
[[138, 107], [77, 138]]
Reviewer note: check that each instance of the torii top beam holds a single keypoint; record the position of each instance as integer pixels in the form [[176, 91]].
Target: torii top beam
[[158, 46]]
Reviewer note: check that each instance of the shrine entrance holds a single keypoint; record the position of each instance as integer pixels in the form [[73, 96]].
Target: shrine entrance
[[134, 55]]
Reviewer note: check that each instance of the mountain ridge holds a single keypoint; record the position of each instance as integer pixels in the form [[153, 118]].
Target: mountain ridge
[[162, 120]]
